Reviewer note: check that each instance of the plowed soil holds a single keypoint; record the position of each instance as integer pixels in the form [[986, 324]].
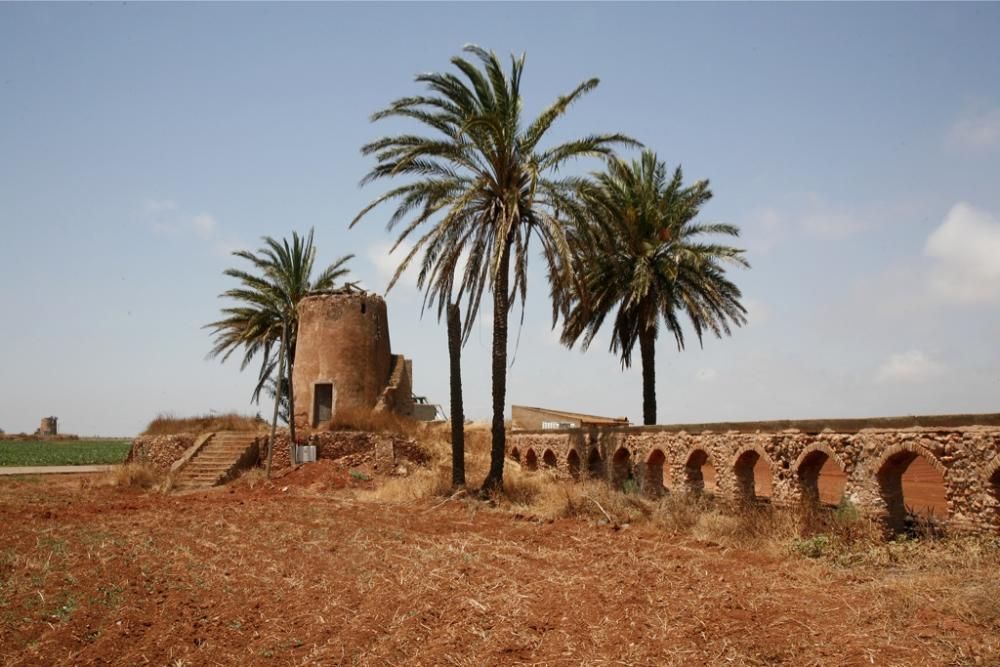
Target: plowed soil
[[303, 571]]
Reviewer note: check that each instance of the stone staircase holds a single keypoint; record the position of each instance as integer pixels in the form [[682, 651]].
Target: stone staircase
[[215, 458]]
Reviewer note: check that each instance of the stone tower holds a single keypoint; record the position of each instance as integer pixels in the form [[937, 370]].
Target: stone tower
[[48, 426], [343, 360]]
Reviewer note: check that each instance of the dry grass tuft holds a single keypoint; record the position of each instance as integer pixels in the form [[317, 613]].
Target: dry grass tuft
[[377, 422], [424, 483], [251, 478], [133, 476], [168, 424]]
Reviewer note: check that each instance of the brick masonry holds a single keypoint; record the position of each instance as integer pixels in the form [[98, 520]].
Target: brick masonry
[[872, 453]]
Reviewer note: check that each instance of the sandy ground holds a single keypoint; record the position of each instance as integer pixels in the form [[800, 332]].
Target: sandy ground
[[308, 572]]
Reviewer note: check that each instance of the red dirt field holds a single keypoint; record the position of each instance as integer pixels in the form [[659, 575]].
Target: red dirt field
[[306, 571]]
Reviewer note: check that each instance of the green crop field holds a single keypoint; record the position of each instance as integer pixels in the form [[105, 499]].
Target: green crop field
[[62, 452]]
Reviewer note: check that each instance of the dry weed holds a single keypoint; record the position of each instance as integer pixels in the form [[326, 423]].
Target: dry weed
[[132, 476], [251, 478], [378, 421], [168, 424], [427, 482]]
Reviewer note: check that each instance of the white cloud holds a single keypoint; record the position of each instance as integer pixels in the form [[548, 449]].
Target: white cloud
[[976, 131], [966, 254], [166, 218], [386, 263], [831, 224], [706, 375], [204, 225], [911, 366], [809, 214], [762, 230], [155, 207]]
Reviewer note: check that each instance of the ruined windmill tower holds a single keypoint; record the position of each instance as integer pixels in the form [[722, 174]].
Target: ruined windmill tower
[[48, 427], [343, 360]]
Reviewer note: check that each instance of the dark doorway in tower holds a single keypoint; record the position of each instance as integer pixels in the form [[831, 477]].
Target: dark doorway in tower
[[322, 403]]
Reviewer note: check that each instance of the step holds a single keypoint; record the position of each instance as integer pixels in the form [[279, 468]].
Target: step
[[217, 458], [197, 480], [219, 463], [214, 460]]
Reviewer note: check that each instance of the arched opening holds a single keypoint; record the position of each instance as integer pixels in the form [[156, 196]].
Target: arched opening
[[913, 490], [655, 484], [515, 454], [821, 479], [699, 474], [573, 463], [621, 466], [595, 464], [746, 478], [753, 476], [531, 460], [549, 459]]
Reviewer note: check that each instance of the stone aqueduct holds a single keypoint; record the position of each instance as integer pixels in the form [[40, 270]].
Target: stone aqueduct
[[872, 454]]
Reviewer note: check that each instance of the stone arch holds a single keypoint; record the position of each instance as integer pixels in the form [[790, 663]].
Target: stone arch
[[654, 482], [821, 475], [747, 466], [531, 460], [621, 466], [694, 471], [515, 454], [889, 471], [595, 463], [549, 459], [573, 463]]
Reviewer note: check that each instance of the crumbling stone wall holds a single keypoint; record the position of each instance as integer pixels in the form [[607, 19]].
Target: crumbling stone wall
[[398, 394], [382, 451], [159, 451], [964, 449]]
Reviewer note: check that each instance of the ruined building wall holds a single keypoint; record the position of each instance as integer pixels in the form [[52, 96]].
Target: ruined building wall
[[872, 454], [343, 341]]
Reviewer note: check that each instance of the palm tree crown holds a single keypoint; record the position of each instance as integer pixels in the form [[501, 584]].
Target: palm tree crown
[[488, 186], [280, 275], [640, 254]]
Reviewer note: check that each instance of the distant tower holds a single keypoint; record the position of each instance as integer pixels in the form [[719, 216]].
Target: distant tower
[[343, 360], [48, 426]]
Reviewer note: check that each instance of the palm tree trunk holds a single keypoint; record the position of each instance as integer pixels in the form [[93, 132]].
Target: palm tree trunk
[[457, 409], [647, 348], [494, 480], [277, 400], [291, 407]]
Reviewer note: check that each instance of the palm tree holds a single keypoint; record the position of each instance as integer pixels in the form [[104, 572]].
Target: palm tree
[[639, 252], [485, 186], [266, 311]]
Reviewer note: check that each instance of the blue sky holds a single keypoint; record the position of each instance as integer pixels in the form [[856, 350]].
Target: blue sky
[[857, 147]]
